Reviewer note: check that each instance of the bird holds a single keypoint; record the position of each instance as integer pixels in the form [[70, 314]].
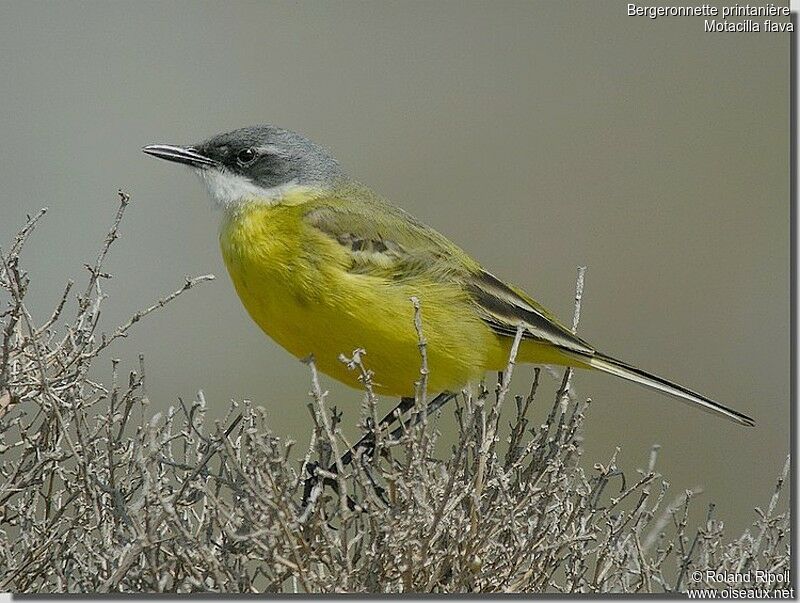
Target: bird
[[325, 266]]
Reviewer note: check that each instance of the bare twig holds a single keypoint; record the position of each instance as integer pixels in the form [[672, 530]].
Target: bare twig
[[97, 497]]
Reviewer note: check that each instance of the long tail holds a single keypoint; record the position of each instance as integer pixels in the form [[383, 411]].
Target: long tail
[[610, 365]]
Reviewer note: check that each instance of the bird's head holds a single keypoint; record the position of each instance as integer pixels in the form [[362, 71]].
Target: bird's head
[[260, 163]]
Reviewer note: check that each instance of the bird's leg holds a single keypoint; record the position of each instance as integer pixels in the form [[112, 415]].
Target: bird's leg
[[405, 404], [366, 441], [433, 406]]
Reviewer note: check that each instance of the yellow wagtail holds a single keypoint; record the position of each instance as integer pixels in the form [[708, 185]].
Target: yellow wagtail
[[324, 266]]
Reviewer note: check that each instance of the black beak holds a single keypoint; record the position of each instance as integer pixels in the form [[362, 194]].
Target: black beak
[[185, 155]]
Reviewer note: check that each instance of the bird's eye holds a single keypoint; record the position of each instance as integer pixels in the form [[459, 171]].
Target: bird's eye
[[246, 156]]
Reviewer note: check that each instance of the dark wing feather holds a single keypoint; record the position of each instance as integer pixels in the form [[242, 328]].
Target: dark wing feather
[[505, 308]]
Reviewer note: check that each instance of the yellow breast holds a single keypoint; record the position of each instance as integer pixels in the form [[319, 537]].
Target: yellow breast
[[295, 284]]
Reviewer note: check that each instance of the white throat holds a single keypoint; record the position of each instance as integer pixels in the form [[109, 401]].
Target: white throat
[[229, 190]]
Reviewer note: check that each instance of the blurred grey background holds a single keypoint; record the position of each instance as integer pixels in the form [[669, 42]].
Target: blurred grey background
[[538, 135]]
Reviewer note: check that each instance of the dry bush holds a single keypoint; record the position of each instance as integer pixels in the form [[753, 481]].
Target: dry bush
[[96, 495]]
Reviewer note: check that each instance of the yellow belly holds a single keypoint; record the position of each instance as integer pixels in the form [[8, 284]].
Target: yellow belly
[[294, 283]]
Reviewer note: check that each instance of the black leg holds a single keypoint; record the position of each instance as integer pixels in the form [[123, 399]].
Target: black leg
[[405, 404], [365, 441], [347, 458], [433, 406]]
